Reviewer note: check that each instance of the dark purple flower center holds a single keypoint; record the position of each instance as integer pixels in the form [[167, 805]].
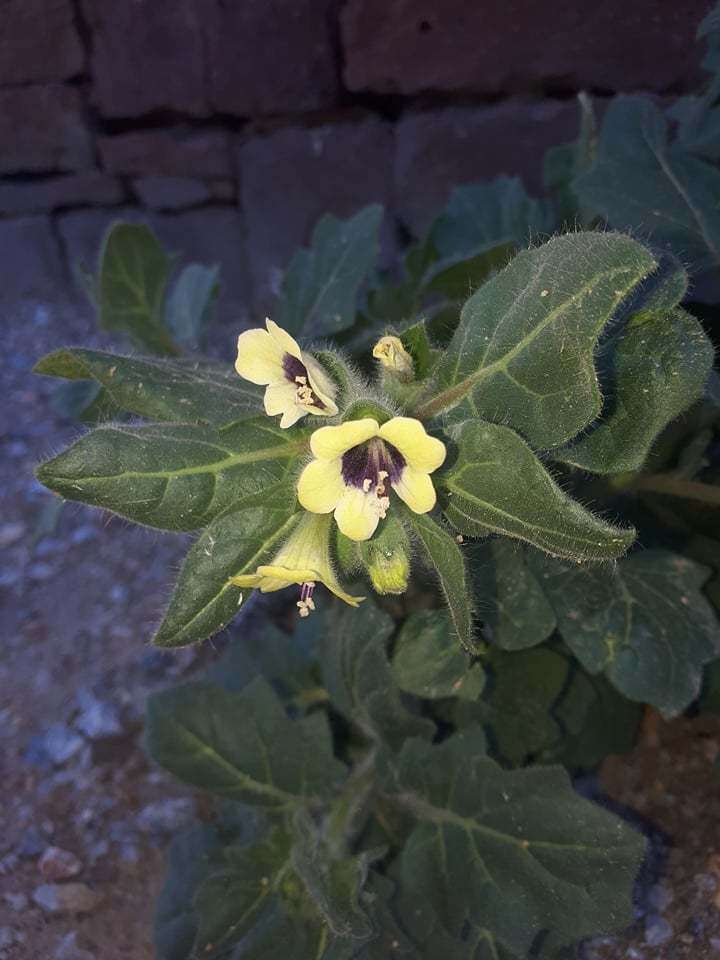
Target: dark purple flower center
[[296, 373], [368, 460]]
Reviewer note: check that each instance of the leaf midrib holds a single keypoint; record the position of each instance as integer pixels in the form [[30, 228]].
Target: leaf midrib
[[458, 390], [284, 451]]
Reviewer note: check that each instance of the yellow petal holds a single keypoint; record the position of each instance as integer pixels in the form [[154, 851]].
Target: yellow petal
[[322, 386], [259, 358], [321, 485], [291, 417], [419, 450], [357, 514], [282, 338], [245, 580], [279, 397], [416, 489], [328, 443], [277, 578]]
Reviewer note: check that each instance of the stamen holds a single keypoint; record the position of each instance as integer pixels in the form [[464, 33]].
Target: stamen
[[306, 603], [367, 485]]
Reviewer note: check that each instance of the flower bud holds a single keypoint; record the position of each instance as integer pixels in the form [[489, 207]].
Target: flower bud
[[387, 557], [394, 357]]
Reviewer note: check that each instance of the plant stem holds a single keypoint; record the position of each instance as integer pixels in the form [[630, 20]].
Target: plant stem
[[677, 487]]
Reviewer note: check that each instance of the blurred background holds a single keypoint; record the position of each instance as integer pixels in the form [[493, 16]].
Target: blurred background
[[231, 127]]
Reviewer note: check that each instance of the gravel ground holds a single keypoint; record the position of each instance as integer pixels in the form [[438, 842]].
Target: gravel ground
[[85, 818]]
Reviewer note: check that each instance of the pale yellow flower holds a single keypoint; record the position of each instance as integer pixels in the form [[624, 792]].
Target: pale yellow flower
[[296, 383], [304, 559], [357, 464]]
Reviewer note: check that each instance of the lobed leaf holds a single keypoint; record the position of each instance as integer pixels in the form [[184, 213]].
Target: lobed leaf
[[481, 217], [204, 601], [358, 677], [428, 662], [190, 302], [660, 367], [645, 623], [532, 855], [642, 182], [133, 277], [523, 351], [176, 391], [321, 283], [173, 477], [515, 611], [498, 484], [242, 746]]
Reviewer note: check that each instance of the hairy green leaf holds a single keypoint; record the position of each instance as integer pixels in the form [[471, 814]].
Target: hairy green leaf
[[175, 922], [660, 367], [483, 216], [84, 400], [523, 352], [190, 302], [174, 477], [134, 271], [527, 685], [336, 886], [428, 662], [516, 852], [321, 283], [642, 182], [245, 882], [242, 745], [645, 623], [359, 679], [238, 541], [514, 609], [498, 484], [176, 391], [443, 555]]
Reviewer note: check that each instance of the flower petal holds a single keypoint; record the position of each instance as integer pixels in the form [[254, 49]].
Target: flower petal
[[285, 343], [321, 485], [416, 489], [259, 358], [357, 514], [328, 443], [322, 386], [291, 417], [277, 578], [419, 450], [279, 397]]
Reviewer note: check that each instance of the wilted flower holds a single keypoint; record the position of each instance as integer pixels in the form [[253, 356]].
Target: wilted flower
[[357, 464], [296, 382], [303, 559]]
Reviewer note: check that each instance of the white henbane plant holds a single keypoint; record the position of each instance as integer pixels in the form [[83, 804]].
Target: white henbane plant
[[449, 455]]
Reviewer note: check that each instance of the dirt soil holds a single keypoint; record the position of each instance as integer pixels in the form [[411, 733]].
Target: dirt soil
[[85, 818]]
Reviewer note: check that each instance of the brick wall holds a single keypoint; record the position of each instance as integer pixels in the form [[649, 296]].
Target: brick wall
[[233, 124]]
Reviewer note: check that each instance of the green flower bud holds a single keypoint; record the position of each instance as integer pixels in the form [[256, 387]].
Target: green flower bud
[[387, 557], [394, 358]]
